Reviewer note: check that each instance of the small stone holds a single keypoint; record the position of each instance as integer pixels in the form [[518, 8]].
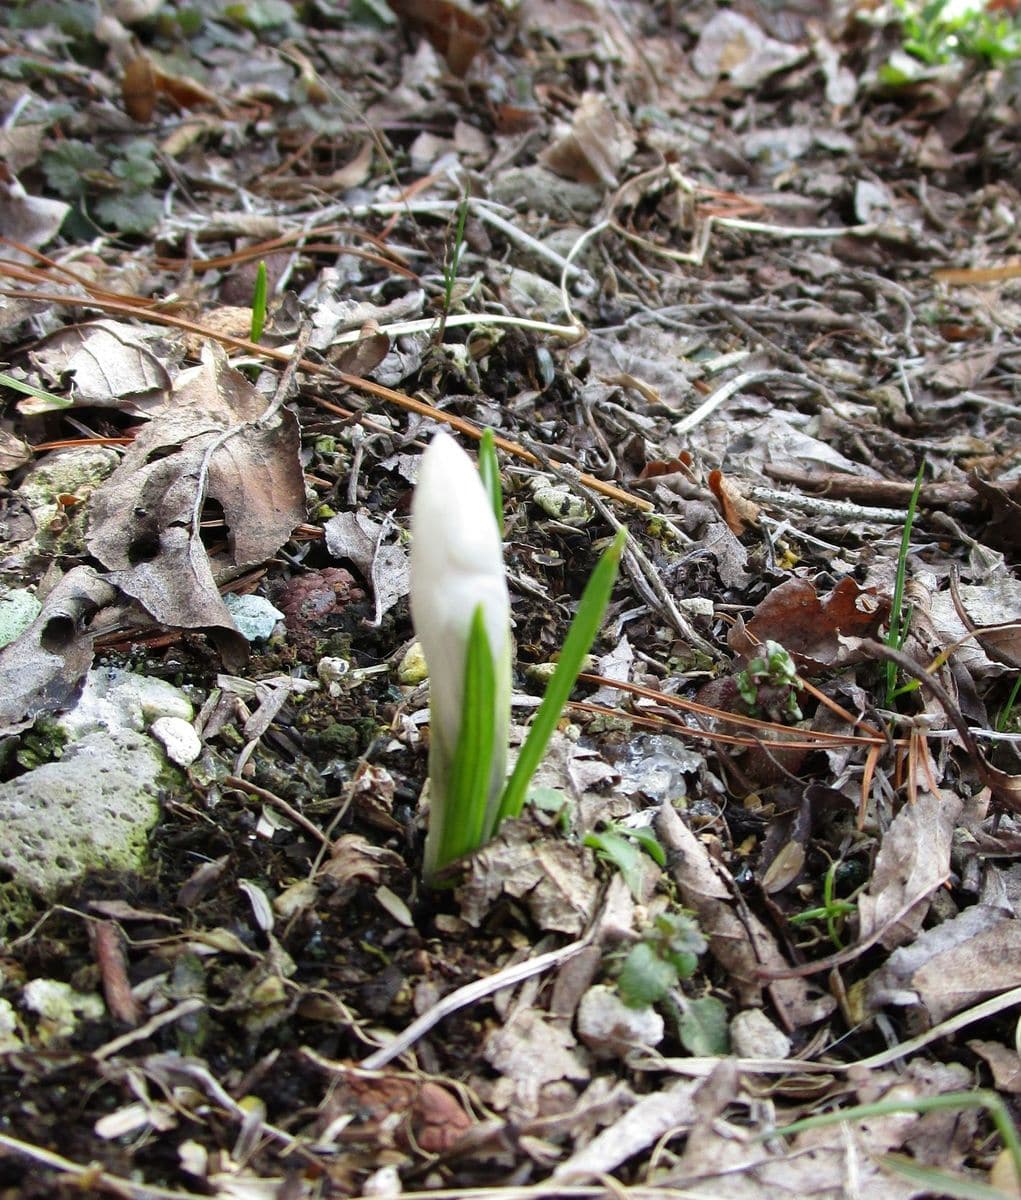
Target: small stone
[[753, 1035], [332, 670], [178, 738], [254, 616], [413, 670], [610, 1028]]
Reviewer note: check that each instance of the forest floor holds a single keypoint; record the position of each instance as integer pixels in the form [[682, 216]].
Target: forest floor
[[744, 281]]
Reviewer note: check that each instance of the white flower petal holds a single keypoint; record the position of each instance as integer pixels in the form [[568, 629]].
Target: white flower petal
[[457, 565]]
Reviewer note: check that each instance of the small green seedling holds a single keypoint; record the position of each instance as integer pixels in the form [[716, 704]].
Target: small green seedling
[[259, 304], [624, 848], [452, 262], [833, 910], [773, 669], [668, 952], [461, 613]]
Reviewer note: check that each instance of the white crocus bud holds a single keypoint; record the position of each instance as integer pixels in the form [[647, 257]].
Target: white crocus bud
[[456, 567]]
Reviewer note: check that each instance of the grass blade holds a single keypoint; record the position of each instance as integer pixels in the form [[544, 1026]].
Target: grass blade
[[577, 644], [948, 1101], [47, 401], [259, 303]]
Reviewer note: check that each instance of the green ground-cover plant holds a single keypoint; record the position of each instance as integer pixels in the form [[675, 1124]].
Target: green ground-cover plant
[[938, 32], [112, 186], [667, 953], [461, 612], [624, 848]]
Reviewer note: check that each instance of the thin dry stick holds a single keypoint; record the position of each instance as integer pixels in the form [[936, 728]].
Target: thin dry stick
[[820, 737], [366, 386], [728, 389], [644, 575], [469, 994], [114, 1185], [291, 813]]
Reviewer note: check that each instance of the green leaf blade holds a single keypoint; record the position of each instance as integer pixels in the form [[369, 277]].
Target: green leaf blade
[[458, 812], [580, 637], [259, 303]]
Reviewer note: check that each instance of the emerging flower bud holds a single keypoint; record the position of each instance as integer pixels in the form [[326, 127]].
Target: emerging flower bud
[[457, 570]]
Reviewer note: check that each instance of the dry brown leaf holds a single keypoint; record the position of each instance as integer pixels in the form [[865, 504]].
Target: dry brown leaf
[[1004, 501], [106, 365], [1004, 1063], [737, 511], [738, 940], [913, 861], [555, 879], [532, 1050], [208, 450], [952, 965], [669, 1108], [138, 88], [456, 32], [818, 631], [40, 672], [31, 220], [596, 147], [1001, 642]]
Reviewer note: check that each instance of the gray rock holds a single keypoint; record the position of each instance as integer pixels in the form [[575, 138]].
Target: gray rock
[[610, 1028], [93, 809], [753, 1035], [535, 188]]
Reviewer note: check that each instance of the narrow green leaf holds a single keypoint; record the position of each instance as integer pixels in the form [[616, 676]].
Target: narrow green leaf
[[938, 1182], [580, 637], [259, 303], [47, 401], [624, 855], [1004, 716], [947, 1102], [489, 470], [648, 841], [460, 813]]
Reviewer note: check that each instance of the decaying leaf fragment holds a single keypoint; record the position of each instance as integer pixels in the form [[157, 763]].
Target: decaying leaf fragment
[[555, 879], [953, 965], [109, 367], [209, 454], [737, 939], [820, 631], [40, 672], [455, 30], [596, 146], [913, 861]]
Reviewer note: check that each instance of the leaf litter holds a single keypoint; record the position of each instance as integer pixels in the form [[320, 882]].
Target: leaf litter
[[720, 282]]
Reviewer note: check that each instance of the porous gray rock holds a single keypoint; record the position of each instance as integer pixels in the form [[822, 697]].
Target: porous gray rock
[[92, 809]]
